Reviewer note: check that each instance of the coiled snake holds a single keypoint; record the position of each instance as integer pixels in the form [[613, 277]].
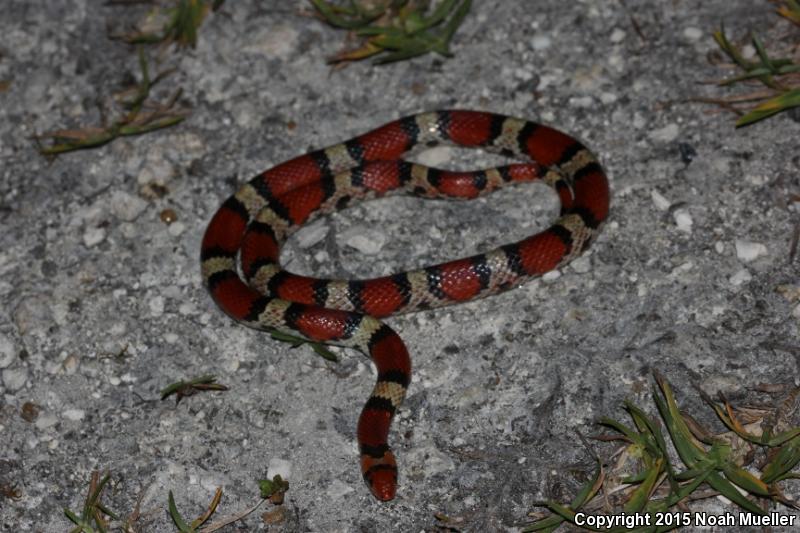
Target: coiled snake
[[257, 219]]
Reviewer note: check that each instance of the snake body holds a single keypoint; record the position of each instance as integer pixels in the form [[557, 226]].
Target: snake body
[[254, 222]]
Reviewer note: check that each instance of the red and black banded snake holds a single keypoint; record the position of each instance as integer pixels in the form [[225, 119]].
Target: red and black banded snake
[[254, 222]]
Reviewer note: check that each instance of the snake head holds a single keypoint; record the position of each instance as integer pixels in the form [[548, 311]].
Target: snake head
[[380, 475]]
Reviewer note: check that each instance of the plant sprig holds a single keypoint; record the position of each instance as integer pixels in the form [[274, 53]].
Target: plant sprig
[[94, 512], [141, 115], [182, 389], [192, 526], [657, 485], [780, 76], [394, 30], [295, 341], [178, 24]]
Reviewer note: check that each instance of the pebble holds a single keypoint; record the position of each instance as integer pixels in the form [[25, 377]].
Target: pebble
[[683, 220], [367, 241], [15, 378], [46, 420], [666, 134], [311, 235], [176, 229], [719, 247], [617, 36], [583, 102], [434, 157], [8, 352], [93, 236], [71, 364], [608, 98], [338, 488], [541, 42], [796, 311], [33, 315], [748, 251], [126, 206], [692, 33], [156, 305], [742, 276], [659, 200], [581, 265], [279, 467], [552, 275], [74, 414]]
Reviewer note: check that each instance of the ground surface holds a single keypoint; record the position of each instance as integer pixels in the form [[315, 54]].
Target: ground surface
[[101, 303]]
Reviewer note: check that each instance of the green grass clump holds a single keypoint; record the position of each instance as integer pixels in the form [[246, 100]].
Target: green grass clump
[[393, 30], [646, 481], [778, 76]]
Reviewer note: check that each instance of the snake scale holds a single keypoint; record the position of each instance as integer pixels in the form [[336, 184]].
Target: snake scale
[[250, 226]]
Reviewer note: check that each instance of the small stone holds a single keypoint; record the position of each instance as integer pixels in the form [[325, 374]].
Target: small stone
[[126, 206], [93, 236], [581, 265], [659, 200], [666, 134], [156, 306], [338, 488], [366, 241], [8, 351], [683, 220], [275, 516], [693, 34], [742, 276], [74, 414], [796, 311], [30, 412], [15, 378], [748, 251], [617, 36], [71, 364], [552, 275], [46, 420], [435, 157], [541, 42], [583, 102], [279, 467], [790, 292], [608, 98], [311, 235], [719, 247], [176, 229]]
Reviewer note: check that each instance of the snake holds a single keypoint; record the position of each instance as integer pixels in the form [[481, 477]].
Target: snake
[[240, 251]]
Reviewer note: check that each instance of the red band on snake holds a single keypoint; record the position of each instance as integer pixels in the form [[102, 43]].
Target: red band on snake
[[256, 220]]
